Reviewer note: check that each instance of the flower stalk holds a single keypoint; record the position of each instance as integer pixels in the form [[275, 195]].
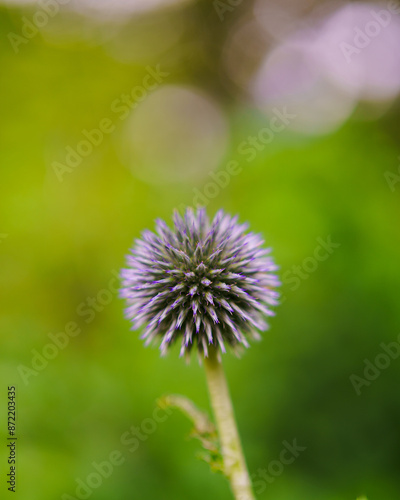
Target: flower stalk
[[234, 464], [207, 285]]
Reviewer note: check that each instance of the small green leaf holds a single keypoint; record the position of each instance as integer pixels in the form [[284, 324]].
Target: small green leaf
[[203, 429]]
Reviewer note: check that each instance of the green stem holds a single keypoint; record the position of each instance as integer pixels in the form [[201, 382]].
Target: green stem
[[234, 463]]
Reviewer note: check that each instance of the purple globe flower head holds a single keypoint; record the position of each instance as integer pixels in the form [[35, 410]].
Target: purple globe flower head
[[200, 283]]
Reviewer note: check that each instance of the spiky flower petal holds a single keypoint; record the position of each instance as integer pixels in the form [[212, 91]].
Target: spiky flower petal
[[201, 283]]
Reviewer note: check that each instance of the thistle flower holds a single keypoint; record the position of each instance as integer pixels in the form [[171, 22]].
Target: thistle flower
[[201, 283]]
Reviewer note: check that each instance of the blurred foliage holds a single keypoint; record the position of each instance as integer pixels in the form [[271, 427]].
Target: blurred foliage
[[62, 241]]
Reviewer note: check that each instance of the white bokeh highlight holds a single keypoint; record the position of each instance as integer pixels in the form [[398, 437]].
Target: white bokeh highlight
[[176, 135], [321, 73]]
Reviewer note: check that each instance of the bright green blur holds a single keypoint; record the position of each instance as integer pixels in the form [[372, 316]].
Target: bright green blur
[[323, 204]]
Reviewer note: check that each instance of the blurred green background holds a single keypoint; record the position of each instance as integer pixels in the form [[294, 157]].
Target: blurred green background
[[67, 223]]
